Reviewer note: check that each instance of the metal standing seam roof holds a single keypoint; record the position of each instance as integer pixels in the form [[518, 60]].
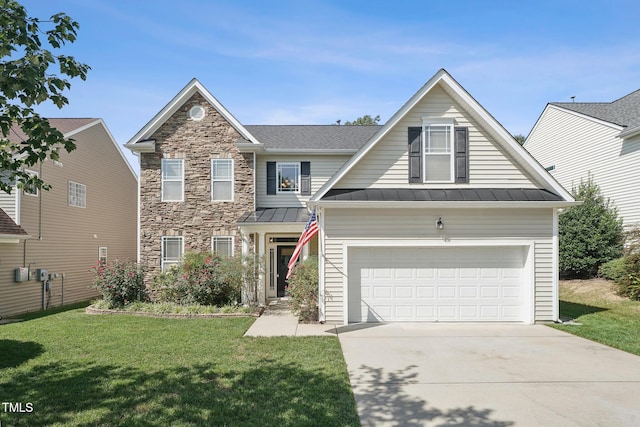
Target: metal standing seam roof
[[623, 112], [311, 137], [443, 195], [275, 215]]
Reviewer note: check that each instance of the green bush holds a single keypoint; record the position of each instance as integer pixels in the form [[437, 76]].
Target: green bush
[[120, 282], [205, 279], [589, 234], [613, 270], [303, 289], [629, 282]]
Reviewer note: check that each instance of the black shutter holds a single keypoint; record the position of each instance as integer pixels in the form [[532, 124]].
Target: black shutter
[[415, 154], [305, 178], [461, 143], [271, 177]]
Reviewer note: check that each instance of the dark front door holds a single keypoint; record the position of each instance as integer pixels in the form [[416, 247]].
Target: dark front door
[[284, 255]]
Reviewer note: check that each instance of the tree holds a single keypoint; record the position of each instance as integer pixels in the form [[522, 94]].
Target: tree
[[365, 120], [26, 80], [520, 138], [590, 234]]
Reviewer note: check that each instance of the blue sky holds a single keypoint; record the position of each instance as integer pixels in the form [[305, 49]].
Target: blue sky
[[314, 62]]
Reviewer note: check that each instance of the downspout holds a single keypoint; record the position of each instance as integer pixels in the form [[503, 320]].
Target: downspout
[[40, 194]]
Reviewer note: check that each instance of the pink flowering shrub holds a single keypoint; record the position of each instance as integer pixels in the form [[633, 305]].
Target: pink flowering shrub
[[120, 282], [203, 278]]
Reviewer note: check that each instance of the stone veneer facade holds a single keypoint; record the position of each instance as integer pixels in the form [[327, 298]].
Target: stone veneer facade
[[197, 218]]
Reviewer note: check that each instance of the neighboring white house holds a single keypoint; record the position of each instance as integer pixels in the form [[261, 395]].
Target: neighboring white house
[[601, 139], [439, 215]]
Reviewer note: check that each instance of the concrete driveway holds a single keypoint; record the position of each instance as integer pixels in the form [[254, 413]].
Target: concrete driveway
[[488, 375]]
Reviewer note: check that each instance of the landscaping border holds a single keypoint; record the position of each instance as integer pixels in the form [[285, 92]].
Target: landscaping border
[[93, 310]]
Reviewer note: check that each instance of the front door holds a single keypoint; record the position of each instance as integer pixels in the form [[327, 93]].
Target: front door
[[283, 256]]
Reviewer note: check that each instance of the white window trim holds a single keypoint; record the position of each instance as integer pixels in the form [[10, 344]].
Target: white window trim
[[232, 180], [163, 179], [278, 165], [214, 238], [84, 204], [102, 249], [427, 122], [162, 257], [37, 192]]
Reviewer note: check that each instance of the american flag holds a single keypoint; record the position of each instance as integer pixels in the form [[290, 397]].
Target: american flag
[[310, 230]]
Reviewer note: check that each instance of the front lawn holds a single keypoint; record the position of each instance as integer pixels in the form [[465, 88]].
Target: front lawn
[[78, 369], [604, 316]]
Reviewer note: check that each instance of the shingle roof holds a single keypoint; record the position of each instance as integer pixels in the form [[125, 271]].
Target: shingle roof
[[441, 195], [312, 136], [623, 112], [8, 227], [63, 125]]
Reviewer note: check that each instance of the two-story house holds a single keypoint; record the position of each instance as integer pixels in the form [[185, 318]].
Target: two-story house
[[87, 215], [439, 215], [600, 140]]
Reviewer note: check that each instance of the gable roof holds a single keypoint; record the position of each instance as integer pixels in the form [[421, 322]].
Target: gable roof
[[194, 86], [9, 229], [622, 112], [486, 120], [70, 127], [312, 137]]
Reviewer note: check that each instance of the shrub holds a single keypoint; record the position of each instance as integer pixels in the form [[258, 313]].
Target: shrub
[[303, 289], [590, 234], [206, 279], [628, 283], [613, 270], [120, 282]]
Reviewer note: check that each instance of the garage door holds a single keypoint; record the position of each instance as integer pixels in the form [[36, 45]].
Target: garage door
[[436, 284]]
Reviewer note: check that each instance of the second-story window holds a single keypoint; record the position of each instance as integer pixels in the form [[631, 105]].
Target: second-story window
[[222, 180], [288, 177], [77, 194], [172, 180]]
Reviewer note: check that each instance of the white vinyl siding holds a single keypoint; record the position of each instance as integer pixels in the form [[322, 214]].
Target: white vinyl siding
[[172, 251], [172, 180], [578, 146], [9, 204], [222, 180], [386, 165], [322, 168], [418, 225], [77, 196]]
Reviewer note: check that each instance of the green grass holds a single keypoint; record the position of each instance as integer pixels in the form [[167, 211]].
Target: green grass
[[605, 319], [78, 369]]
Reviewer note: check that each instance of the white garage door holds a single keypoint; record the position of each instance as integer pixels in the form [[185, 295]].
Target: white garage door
[[436, 284]]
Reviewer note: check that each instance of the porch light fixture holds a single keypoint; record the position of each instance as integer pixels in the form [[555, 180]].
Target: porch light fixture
[[439, 224]]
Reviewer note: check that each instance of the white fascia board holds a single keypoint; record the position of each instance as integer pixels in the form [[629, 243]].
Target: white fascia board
[[148, 146], [378, 135], [187, 92], [507, 140], [13, 238], [250, 147], [439, 205], [630, 133]]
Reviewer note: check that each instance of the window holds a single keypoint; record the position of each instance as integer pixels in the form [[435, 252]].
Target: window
[[102, 255], [550, 168], [77, 195], [438, 159], [172, 180], [222, 246], [31, 190], [172, 249], [288, 177], [222, 180]]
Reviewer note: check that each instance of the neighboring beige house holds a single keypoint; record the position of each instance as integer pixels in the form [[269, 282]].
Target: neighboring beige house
[[439, 215], [89, 213], [600, 139]]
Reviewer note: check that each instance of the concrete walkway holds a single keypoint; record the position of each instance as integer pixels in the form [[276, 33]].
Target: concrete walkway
[[278, 320]]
